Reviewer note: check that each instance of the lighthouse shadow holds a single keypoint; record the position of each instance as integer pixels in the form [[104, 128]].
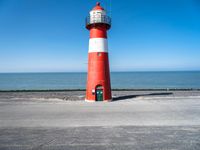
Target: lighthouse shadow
[[125, 97]]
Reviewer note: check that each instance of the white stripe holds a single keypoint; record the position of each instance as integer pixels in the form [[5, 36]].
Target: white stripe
[[98, 45]]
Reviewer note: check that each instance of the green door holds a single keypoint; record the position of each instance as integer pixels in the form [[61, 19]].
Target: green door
[[99, 95]]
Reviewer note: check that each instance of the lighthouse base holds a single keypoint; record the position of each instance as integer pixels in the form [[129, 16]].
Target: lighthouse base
[[93, 101]]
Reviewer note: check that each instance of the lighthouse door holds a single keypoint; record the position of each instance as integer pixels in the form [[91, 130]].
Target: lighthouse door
[[99, 93]]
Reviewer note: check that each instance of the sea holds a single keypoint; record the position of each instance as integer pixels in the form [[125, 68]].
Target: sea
[[119, 80]]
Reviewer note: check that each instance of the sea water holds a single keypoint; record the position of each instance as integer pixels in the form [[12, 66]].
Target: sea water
[[119, 80]]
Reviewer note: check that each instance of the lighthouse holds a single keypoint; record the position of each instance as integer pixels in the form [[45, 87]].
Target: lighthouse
[[98, 77]]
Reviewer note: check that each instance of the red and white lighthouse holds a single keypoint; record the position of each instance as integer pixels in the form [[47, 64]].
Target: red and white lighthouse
[[98, 78]]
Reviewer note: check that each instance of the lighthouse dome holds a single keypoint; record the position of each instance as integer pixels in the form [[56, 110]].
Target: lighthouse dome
[[97, 11], [98, 7]]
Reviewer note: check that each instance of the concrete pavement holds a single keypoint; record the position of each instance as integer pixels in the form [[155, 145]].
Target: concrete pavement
[[136, 123]]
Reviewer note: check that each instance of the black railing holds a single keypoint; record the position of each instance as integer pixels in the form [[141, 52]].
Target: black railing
[[96, 19]]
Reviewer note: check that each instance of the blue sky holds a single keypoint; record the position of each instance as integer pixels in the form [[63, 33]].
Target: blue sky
[[146, 35]]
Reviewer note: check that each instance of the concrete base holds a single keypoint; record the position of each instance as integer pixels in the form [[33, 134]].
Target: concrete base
[[92, 101]]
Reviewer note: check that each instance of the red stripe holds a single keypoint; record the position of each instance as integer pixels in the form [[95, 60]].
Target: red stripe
[[98, 32]]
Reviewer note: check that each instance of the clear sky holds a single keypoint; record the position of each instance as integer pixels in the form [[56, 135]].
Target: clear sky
[[147, 35]]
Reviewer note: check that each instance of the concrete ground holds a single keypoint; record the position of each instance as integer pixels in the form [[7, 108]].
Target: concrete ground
[[149, 121]]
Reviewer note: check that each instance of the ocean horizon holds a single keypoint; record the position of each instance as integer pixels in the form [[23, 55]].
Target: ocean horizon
[[119, 80]]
